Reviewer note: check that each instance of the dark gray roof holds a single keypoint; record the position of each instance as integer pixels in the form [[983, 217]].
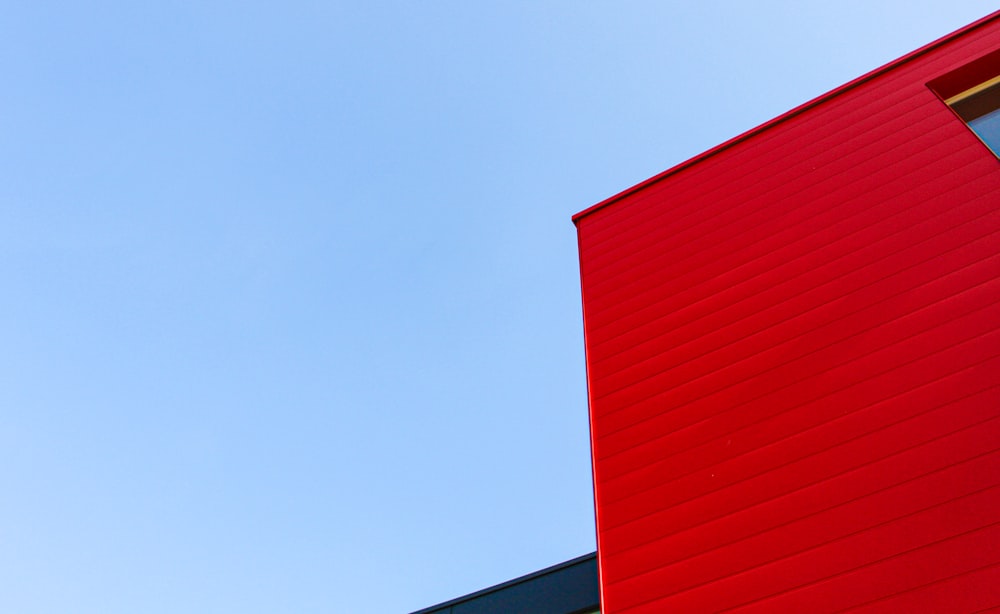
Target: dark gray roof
[[566, 588]]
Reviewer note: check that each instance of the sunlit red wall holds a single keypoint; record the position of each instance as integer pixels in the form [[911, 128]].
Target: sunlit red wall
[[794, 358]]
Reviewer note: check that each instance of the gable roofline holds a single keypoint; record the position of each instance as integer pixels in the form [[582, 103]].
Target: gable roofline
[[788, 115]]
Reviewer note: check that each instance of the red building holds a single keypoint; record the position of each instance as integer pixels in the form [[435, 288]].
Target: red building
[[793, 355]]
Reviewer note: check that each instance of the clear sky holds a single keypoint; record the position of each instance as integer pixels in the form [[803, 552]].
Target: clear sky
[[290, 317]]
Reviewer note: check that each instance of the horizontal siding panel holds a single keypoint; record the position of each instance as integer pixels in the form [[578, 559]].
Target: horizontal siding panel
[[705, 417], [825, 479], [958, 563], [753, 534], [885, 281], [977, 591], [962, 279], [818, 537], [875, 232], [949, 530], [742, 452], [875, 292], [849, 399], [786, 291], [782, 370]]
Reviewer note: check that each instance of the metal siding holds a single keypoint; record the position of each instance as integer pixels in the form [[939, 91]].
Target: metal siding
[[793, 355]]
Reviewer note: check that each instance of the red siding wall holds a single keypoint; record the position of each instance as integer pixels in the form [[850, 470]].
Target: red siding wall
[[793, 351]]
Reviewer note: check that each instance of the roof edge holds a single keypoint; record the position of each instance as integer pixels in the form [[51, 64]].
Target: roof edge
[[518, 580], [787, 115]]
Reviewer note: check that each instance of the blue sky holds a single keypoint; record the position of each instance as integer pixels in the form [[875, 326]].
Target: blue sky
[[291, 316]]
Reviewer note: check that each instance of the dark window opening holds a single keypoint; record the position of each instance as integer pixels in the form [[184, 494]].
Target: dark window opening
[[979, 106], [973, 93]]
